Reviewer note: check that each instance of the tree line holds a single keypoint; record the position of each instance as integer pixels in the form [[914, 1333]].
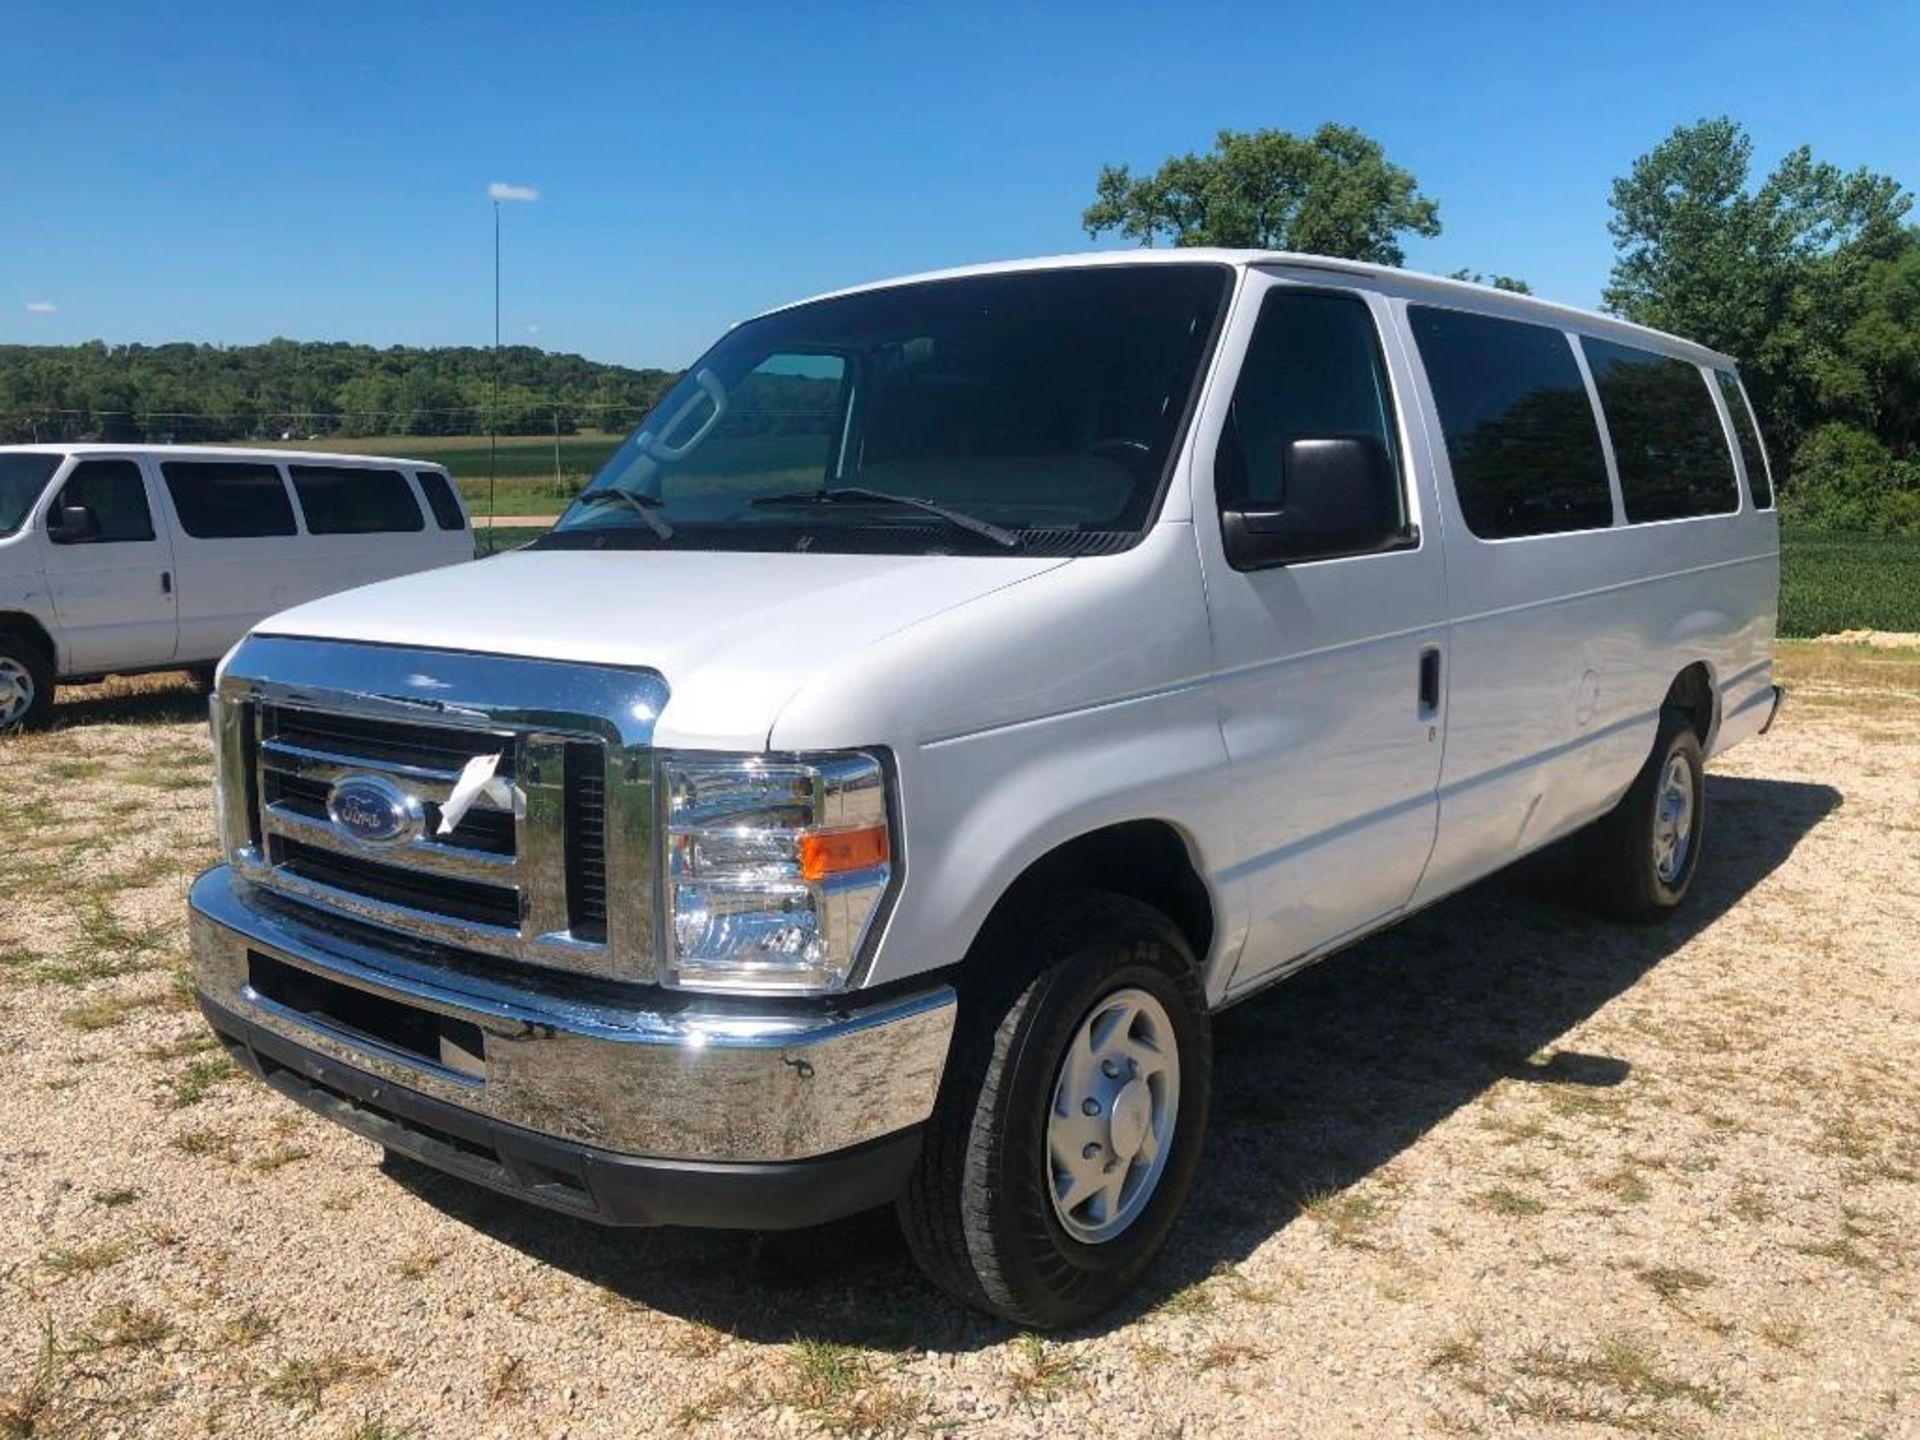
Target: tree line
[[287, 388]]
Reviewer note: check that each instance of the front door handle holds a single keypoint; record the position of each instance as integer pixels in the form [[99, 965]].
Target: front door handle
[[166, 582], [1429, 682]]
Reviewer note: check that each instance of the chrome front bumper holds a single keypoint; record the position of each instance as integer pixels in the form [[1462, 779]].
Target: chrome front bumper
[[626, 1070]]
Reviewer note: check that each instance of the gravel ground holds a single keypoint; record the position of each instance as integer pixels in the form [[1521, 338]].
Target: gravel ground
[[1503, 1170]]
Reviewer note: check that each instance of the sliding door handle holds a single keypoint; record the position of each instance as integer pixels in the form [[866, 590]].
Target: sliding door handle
[[1429, 682]]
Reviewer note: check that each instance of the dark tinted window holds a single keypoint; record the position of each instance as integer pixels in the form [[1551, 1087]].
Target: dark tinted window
[[1521, 437], [347, 500], [441, 499], [1667, 439], [22, 478], [228, 500], [117, 496], [1313, 370], [1759, 480]]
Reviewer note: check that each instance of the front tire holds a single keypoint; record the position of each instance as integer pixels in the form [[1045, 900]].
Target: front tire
[[1638, 861], [26, 684], [1070, 1120]]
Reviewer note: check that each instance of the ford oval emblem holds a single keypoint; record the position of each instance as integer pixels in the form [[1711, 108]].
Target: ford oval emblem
[[374, 811]]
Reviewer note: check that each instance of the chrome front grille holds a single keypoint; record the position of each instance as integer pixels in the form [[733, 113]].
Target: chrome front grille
[[528, 872]]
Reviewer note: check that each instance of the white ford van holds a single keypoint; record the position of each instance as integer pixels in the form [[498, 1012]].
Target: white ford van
[[116, 559], [953, 693]]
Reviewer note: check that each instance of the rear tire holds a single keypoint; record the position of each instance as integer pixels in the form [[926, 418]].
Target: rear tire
[[1638, 861], [999, 1212], [26, 683]]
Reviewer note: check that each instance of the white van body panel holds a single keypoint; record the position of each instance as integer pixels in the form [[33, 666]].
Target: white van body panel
[[1272, 719], [179, 599]]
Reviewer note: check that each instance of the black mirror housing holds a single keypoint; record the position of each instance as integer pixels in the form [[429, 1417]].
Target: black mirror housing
[[77, 524], [1341, 497]]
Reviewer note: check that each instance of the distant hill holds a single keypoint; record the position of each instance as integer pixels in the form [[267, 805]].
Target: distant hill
[[289, 388]]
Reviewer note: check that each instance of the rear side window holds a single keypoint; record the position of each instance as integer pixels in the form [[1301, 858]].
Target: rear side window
[[228, 500], [440, 499], [1521, 438], [22, 478], [1759, 478], [1667, 438], [1313, 370], [348, 500], [117, 496]]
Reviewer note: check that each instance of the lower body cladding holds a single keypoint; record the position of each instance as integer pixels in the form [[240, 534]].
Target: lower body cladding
[[563, 1091]]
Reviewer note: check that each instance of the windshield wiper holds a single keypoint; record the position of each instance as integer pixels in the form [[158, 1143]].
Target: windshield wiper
[[641, 505], [959, 519]]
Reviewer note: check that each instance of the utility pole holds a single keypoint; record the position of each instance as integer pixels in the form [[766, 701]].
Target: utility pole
[[493, 406]]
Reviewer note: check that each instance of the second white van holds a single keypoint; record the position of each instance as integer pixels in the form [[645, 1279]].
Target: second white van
[[117, 559]]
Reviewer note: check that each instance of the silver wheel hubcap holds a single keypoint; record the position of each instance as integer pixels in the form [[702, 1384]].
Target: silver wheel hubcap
[[16, 690], [1114, 1104], [1673, 821]]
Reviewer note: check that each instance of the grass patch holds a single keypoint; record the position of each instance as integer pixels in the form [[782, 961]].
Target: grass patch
[[114, 1199], [126, 1326], [1618, 1367], [1041, 1371], [305, 1380], [103, 1012], [1346, 1215], [838, 1389], [71, 1260], [249, 1327], [1504, 1201], [197, 1081], [207, 1142]]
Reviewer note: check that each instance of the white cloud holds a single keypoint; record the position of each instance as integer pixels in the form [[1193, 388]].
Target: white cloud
[[533, 329], [500, 190], [41, 307]]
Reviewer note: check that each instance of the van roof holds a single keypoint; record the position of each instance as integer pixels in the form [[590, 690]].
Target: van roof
[[214, 452], [1436, 288]]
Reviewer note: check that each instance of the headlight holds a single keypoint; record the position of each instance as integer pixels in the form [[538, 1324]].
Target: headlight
[[775, 867]]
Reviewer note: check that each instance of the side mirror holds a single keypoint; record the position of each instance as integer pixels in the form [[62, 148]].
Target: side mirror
[[1339, 496], [75, 524]]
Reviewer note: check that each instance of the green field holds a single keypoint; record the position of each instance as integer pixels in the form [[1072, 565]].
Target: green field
[[1830, 583]]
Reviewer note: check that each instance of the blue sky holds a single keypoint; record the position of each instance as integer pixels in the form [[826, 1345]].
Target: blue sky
[[230, 173]]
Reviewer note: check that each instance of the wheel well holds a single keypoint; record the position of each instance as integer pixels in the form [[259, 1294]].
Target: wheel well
[[14, 622], [1144, 859], [1692, 691]]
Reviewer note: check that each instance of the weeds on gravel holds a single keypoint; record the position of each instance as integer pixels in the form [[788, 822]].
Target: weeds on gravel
[[1503, 1201], [193, 1084], [305, 1380], [280, 1155], [71, 1260], [249, 1327], [22, 1412], [103, 1012], [836, 1387], [207, 1142], [1673, 1283], [115, 1198], [125, 1326], [1043, 1372], [1620, 1366], [1345, 1215]]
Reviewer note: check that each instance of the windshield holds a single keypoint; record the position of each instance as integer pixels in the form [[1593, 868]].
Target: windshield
[[1036, 411], [22, 478]]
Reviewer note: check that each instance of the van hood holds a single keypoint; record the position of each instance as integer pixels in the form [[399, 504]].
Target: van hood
[[734, 635]]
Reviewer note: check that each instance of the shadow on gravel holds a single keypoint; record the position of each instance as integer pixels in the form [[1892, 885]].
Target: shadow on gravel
[[1320, 1081]]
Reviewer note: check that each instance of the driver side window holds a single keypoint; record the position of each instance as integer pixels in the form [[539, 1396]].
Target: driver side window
[[1313, 370], [114, 493]]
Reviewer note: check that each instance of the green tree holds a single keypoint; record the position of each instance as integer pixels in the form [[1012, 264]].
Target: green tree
[[1331, 193], [1770, 274]]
